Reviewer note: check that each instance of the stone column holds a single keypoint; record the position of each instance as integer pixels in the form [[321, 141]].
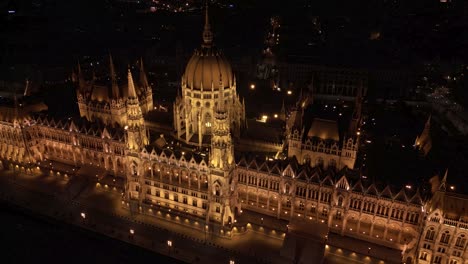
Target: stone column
[[343, 228], [329, 221], [279, 208], [385, 233]]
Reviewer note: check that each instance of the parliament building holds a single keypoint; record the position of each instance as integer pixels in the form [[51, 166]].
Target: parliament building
[[196, 169]]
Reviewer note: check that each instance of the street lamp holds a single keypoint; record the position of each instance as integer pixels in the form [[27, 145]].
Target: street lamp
[[252, 86], [169, 244], [83, 215], [232, 261]]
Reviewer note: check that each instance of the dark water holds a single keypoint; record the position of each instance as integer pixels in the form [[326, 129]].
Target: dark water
[[26, 238]]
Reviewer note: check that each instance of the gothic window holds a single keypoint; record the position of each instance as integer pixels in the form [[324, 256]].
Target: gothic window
[[461, 240], [134, 169], [185, 200], [325, 212], [288, 204], [208, 122], [423, 256], [312, 209], [338, 215], [445, 237], [194, 203], [437, 259], [218, 209], [176, 198], [340, 201], [301, 206], [332, 164], [307, 159], [166, 195], [286, 189]]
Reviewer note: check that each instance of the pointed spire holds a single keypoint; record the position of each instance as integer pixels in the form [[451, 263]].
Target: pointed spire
[[143, 78], [221, 93], [113, 75], [428, 122], [207, 34], [283, 112], [131, 85], [443, 183], [81, 81], [26, 88], [358, 102]]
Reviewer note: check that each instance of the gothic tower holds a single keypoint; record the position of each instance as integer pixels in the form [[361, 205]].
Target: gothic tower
[[222, 163], [135, 128]]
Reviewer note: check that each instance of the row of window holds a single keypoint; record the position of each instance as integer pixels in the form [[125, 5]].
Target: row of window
[[206, 96], [175, 198], [445, 238], [262, 183], [384, 211], [175, 189], [437, 259]]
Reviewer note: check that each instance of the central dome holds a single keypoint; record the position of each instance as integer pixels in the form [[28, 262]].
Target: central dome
[[205, 69], [208, 65]]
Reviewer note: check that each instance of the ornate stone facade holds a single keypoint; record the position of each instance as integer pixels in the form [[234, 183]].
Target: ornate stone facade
[[208, 77], [212, 186], [108, 103]]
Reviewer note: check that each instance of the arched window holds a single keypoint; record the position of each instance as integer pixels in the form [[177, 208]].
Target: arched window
[[208, 122], [430, 234], [340, 201], [286, 189], [332, 164], [445, 237], [461, 241], [134, 170]]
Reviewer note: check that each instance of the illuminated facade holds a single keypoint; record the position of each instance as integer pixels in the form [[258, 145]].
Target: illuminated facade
[[98, 102], [208, 77], [317, 185]]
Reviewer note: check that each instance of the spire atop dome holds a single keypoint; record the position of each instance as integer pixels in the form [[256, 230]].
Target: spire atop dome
[[131, 85], [207, 34]]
